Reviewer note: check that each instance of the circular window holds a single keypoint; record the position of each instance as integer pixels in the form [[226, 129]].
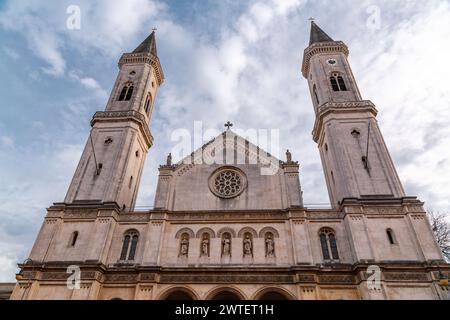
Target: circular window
[[227, 182], [331, 62]]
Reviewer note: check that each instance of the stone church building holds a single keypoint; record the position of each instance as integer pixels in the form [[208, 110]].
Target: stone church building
[[236, 227]]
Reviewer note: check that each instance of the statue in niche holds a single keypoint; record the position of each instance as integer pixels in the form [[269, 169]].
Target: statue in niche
[[248, 245], [270, 246], [169, 160], [184, 246], [226, 245], [205, 246]]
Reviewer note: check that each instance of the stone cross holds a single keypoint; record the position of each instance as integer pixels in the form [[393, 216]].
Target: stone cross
[[228, 125]]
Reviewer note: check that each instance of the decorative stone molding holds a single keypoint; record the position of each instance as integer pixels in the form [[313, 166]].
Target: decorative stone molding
[[308, 290], [55, 276], [189, 278], [306, 278], [144, 58], [145, 288], [263, 231], [135, 217], [51, 221], [321, 47], [201, 231], [185, 230], [147, 277], [406, 276], [336, 278], [121, 277], [245, 230], [226, 229], [130, 115], [340, 107]]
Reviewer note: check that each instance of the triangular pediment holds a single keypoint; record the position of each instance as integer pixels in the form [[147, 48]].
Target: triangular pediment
[[229, 148]]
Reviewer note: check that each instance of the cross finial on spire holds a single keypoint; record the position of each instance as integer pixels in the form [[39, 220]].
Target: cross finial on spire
[[154, 29], [228, 125], [311, 19]]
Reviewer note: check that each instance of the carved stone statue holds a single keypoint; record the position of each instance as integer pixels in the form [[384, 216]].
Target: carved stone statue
[[184, 246], [288, 157], [270, 246], [169, 160], [205, 247], [226, 245], [248, 246]]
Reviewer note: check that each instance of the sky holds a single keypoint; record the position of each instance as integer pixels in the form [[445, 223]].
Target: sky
[[223, 60]]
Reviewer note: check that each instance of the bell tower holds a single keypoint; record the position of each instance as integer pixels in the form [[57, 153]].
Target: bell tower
[[355, 158], [111, 165]]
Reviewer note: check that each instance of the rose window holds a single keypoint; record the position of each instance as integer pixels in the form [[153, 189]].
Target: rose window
[[227, 183]]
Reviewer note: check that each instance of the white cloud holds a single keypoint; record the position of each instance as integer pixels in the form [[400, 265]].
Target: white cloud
[[89, 83]]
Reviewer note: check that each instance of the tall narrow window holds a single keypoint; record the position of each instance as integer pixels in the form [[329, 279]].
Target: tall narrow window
[[323, 243], [125, 245], [134, 242], [333, 246], [334, 83], [390, 235], [315, 94], [129, 245], [73, 239], [127, 92], [148, 103], [341, 83], [130, 183], [328, 244]]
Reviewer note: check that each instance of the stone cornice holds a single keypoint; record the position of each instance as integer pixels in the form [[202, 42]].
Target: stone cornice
[[144, 58], [334, 274], [321, 47], [120, 116], [340, 107]]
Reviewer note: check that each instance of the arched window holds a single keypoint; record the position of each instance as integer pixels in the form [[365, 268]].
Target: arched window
[[129, 245], [337, 82], [328, 243], [73, 238], [315, 94], [127, 92], [341, 83], [334, 83], [148, 103], [391, 236]]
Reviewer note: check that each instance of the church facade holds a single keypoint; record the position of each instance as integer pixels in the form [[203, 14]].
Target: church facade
[[228, 221]]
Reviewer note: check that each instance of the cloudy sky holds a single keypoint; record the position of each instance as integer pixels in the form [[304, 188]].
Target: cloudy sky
[[223, 60]]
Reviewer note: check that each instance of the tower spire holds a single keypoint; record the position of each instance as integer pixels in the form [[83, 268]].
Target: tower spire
[[148, 45], [318, 35]]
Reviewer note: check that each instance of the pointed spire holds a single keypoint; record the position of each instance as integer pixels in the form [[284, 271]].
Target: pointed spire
[[318, 35], [148, 45]]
